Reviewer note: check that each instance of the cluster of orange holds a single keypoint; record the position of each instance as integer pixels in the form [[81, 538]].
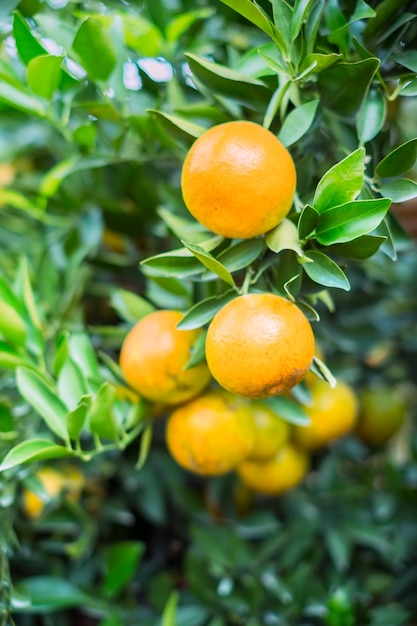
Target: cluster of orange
[[212, 431]]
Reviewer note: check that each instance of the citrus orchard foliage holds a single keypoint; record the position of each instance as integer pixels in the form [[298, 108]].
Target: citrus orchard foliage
[[100, 105]]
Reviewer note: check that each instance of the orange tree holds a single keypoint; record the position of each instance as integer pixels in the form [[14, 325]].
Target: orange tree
[[100, 104]]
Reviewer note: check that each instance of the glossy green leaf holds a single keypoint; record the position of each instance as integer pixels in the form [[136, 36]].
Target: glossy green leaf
[[183, 228], [300, 12], [95, 49], [33, 450], [408, 59], [101, 418], [321, 370], [10, 357], [70, 384], [76, 419], [28, 47], [283, 19], [178, 126], [12, 326], [180, 24], [288, 410], [297, 123], [210, 262], [179, 263], [82, 353], [254, 13], [307, 222], [198, 352], [399, 161], [25, 291], [41, 396], [121, 560], [317, 62], [65, 594], [324, 271], [343, 84], [284, 237], [203, 312], [17, 97], [399, 190], [371, 116], [130, 306], [222, 80], [351, 220], [44, 75], [341, 183], [275, 103], [359, 249], [242, 254]]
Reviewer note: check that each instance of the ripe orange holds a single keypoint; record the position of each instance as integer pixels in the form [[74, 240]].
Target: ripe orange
[[382, 413], [332, 414], [211, 434], [271, 432], [280, 473], [54, 482], [238, 180], [154, 355], [259, 345]]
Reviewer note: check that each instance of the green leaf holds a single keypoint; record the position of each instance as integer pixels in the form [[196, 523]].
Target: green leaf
[[210, 262], [399, 190], [298, 122], [254, 13], [288, 410], [307, 223], [301, 10], [204, 311], [351, 220], [12, 326], [33, 450], [121, 560], [184, 228], [325, 271], [17, 97], [95, 48], [241, 254], [399, 161], [65, 594], [144, 447], [222, 80], [176, 26], [129, 305], [371, 116], [198, 352], [177, 126], [52, 180], [10, 358], [170, 609], [282, 20], [26, 293], [284, 237], [28, 47], [407, 59], [317, 62], [101, 418], [44, 75], [322, 371], [70, 385], [359, 249], [83, 354], [341, 183], [76, 418], [43, 399], [343, 84]]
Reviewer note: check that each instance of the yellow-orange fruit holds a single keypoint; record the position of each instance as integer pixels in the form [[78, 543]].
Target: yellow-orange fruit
[[271, 432], [332, 414], [280, 473], [259, 345], [238, 180], [211, 434], [153, 359]]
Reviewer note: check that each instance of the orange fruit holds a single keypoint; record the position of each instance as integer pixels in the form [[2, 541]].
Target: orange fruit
[[280, 473], [211, 434], [153, 359], [238, 180], [259, 345], [271, 432], [382, 413], [332, 414], [53, 482]]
